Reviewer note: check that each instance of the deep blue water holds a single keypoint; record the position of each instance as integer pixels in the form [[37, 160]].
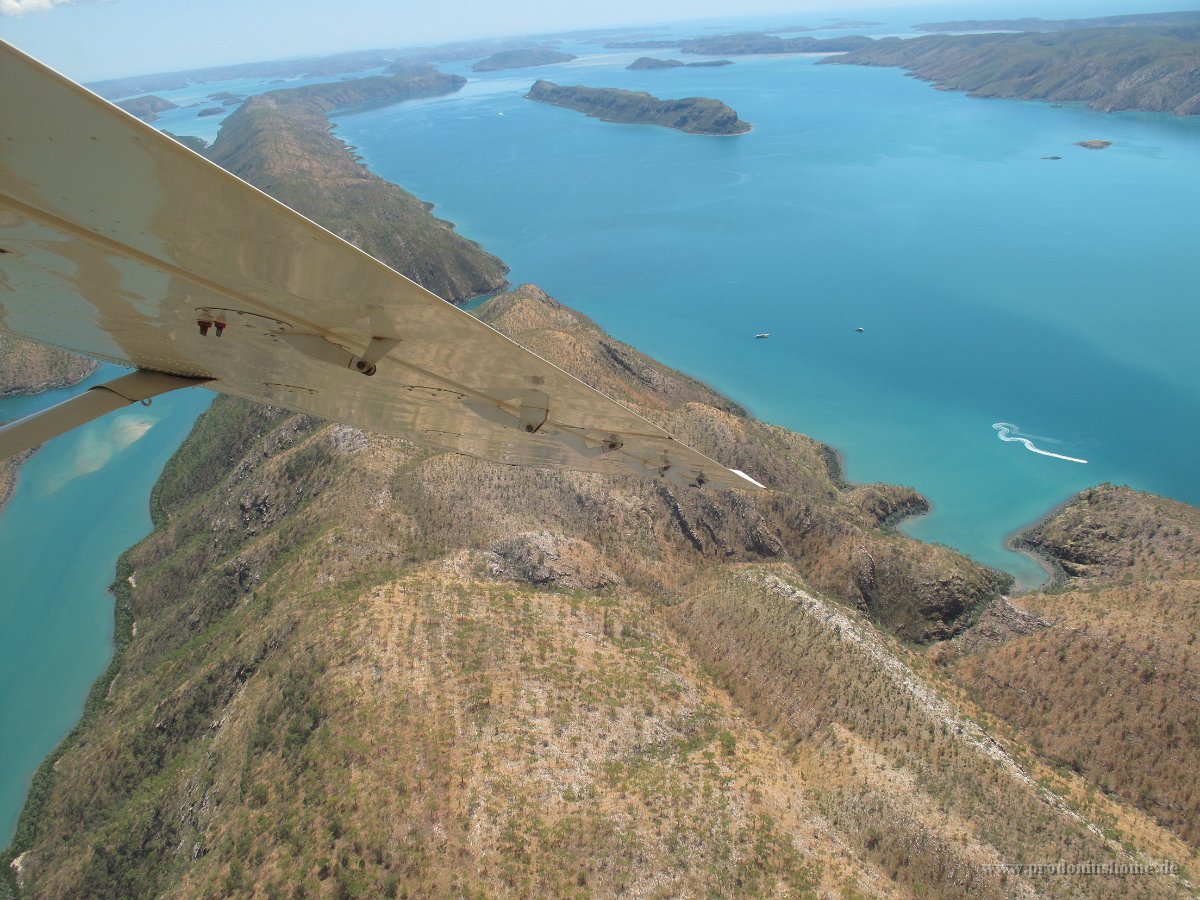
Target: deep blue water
[[992, 285]]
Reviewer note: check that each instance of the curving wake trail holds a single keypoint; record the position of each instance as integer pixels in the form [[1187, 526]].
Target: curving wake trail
[[1006, 431]]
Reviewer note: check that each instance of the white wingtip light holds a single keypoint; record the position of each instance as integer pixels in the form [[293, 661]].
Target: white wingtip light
[[122, 244]]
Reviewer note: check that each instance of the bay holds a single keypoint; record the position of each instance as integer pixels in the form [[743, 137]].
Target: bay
[[992, 285]]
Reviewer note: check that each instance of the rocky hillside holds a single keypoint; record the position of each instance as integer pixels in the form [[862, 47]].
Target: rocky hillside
[[1109, 68], [1103, 674], [281, 143], [695, 115], [355, 667], [28, 368]]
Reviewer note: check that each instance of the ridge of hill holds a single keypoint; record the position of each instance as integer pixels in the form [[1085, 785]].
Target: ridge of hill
[[281, 142]]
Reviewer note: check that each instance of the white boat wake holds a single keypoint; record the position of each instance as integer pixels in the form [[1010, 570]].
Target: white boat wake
[[1006, 431]]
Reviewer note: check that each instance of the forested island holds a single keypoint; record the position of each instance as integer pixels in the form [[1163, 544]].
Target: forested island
[[1148, 67], [522, 59], [695, 115]]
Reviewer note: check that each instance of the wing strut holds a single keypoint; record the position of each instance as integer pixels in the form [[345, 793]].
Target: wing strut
[[138, 387]]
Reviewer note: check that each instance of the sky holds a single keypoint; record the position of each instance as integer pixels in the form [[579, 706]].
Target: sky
[[95, 39]]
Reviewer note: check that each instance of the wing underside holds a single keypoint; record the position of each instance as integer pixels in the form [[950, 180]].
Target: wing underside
[[124, 245]]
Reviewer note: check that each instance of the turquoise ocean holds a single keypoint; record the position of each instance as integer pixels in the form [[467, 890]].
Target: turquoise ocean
[[992, 286]]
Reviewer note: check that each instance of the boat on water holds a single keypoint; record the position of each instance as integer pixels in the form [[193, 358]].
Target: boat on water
[[763, 334]]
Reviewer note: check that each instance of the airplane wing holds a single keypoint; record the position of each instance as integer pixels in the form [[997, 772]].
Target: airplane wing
[[122, 244]]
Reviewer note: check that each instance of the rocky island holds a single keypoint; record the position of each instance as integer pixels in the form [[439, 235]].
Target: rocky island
[[1149, 67], [649, 62], [148, 107], [695, 115], [522, 59], [1093, 145]]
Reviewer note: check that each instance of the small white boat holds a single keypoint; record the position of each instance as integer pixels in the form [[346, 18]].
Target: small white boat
[[763, 334]]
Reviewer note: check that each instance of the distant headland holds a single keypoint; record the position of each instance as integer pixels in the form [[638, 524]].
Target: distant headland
[[1116, 63], [749, 42], [695, 115]]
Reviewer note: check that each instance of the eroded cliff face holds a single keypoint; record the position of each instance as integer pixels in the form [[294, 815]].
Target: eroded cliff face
[[360, 667]]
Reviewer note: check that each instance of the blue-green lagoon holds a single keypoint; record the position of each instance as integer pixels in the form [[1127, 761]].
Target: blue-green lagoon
[[992, 285], [80, 502]]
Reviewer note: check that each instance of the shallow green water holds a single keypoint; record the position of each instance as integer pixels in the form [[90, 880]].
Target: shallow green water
[[81, 501], [992, 285]]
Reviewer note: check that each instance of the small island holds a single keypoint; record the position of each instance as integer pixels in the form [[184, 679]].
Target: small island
[[522, 59], [695, 115], [649, 62], [211, 111], [1093, 145], [148, 107]]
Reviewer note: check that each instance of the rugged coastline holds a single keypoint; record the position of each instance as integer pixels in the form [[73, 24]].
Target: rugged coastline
[[604, 643]]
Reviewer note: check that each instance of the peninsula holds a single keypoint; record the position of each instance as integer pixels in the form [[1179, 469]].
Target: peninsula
[[281, 143], [147, 107], [1147, 67], [522, 59], [695, 115]]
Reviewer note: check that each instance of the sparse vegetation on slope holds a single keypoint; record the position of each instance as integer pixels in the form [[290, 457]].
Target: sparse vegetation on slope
[[1107, 684], [361, 668]]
